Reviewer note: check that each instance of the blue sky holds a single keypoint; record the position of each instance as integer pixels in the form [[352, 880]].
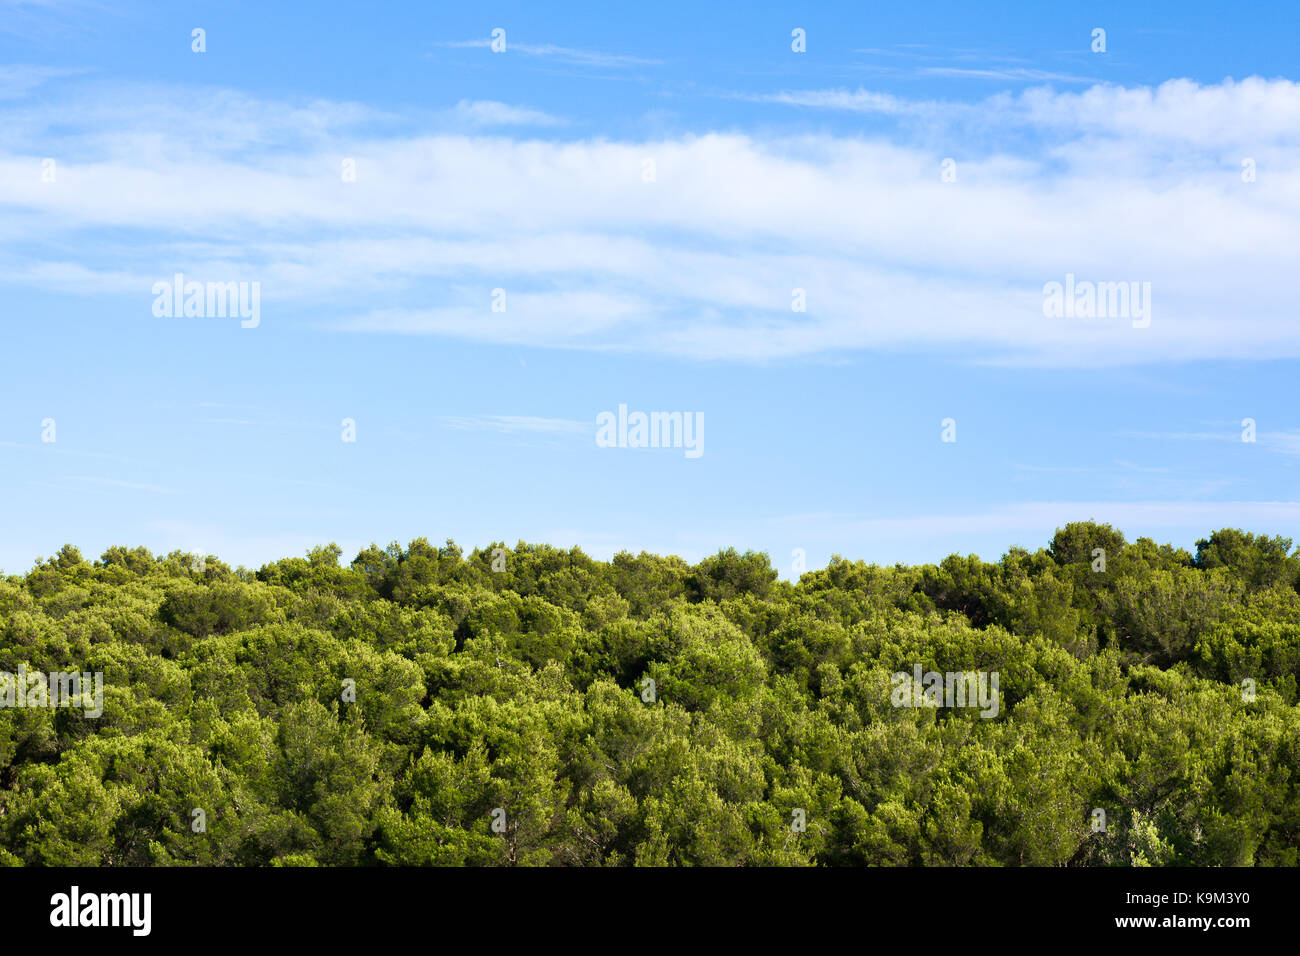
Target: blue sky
[[526, 171]]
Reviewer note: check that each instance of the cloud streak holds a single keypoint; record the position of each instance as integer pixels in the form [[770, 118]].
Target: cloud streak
[[563, 54], [514, 424], [702, 260]]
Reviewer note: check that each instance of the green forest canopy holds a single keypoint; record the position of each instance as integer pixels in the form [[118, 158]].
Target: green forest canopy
[[501, 716]]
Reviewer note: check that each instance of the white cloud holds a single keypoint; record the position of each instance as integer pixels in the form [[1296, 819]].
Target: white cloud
[[1283, 442], [1018, 73], [562, 53], [17, 80], [1253, 111], [1114, 185], [127, 485], [857, 101], [483, 113], [511, 424]]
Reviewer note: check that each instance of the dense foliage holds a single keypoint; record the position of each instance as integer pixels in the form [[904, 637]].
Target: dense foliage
[[522, 689]]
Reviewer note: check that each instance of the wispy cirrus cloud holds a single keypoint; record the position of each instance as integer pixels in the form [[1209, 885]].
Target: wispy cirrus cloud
[[701, 260], [1251, 112], [515, 424], [18, 80], [856, 101], [1282, 442], [125, 485], [966, 63], [484, 113], [1020, 74], [563, 54], [1183, 436], [1279, 441]]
